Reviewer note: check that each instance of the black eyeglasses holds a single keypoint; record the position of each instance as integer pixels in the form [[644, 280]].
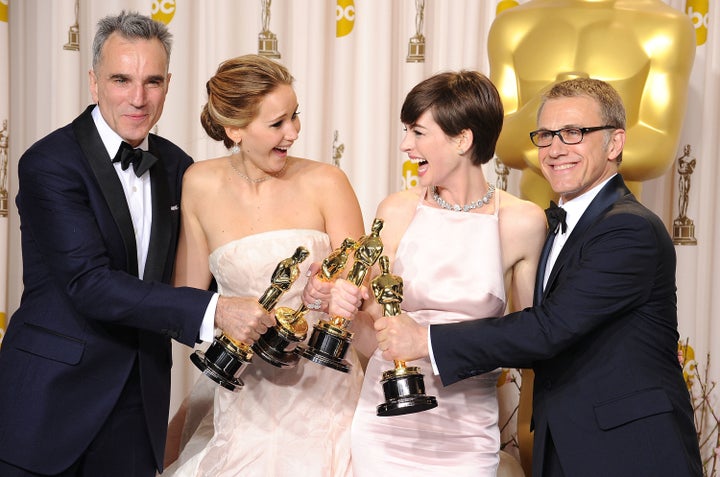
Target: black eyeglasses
[[570, 136]]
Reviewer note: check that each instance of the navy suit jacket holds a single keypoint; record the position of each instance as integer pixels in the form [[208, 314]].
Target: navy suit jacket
[[85, 319], [603, 344]]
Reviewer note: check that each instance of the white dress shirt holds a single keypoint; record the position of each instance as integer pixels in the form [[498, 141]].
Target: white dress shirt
[[138, 192], [138, 195], [574, 209]]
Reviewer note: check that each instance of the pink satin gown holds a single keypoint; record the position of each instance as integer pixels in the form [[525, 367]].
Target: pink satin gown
[[452, 271]]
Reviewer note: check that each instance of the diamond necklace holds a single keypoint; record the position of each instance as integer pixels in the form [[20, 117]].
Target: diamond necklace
[[260, 179], [467, 207]]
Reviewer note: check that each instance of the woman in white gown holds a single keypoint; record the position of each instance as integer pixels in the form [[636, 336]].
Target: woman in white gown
[[241, 215], [456, 264]]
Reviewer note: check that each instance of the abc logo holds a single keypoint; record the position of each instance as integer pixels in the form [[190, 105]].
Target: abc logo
[[698, 10], [688, 362], [409, 175], [344, 17], [163, 11], [504, 5]]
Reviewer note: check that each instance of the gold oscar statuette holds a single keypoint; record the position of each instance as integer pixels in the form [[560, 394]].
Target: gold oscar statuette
[[330, 340], [4, 157], [73, 43], [416, 45], [277, 345], [226, 358], [683, 226], [403, 386], [337, 149], [267, 40]]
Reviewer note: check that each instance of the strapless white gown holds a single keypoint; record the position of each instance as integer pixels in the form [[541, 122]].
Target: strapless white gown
[[283, 422]]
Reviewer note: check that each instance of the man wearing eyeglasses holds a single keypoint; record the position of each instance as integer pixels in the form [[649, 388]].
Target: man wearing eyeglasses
[[609, 395]]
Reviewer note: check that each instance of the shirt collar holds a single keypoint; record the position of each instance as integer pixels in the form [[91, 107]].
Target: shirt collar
[[575, 208], [111, 140]]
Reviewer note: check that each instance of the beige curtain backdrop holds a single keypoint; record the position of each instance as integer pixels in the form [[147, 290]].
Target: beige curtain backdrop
[[4, 159], [349, 61]]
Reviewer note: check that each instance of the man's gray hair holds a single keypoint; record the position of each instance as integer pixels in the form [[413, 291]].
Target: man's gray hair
[[129, 25]]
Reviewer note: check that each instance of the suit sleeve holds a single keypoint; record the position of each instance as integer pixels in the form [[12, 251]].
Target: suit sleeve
[[73, 250], [607, 276]]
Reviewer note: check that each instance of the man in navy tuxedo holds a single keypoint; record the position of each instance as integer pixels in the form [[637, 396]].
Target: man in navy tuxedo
[[609, 395], [85, 363]]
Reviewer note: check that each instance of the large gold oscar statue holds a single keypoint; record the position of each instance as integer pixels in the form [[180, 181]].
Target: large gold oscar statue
[[644, 48]]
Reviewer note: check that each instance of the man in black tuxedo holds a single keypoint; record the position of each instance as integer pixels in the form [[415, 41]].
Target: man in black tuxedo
[[609, 395], [85, 363]]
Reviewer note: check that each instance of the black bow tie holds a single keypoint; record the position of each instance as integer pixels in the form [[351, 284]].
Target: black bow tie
[[140, 160], [556, 216]]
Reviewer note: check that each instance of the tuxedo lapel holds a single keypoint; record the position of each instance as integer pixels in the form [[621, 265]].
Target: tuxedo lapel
[[101, 165], [608, 195], [542, 267], [160, 234]]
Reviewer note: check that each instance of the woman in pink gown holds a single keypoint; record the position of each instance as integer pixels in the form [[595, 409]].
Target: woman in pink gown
[[456, 264]]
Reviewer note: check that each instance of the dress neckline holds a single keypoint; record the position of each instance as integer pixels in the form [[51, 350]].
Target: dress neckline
[[267, 235]]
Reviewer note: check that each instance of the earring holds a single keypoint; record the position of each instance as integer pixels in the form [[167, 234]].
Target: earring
[[235, 149], [461, 151]]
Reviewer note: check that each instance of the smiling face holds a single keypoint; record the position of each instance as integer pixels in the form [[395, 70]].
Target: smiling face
[[129, 85], [427, 145], [574, 169], [265, 141]]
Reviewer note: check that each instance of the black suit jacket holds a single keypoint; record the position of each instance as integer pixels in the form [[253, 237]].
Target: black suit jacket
[[603, 345], [85, 319]]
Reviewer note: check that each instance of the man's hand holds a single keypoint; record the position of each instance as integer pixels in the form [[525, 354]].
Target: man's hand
[[242, 318], [401, 338]]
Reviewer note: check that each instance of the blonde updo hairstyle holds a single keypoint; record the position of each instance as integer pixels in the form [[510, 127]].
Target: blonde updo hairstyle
[[236, 91]]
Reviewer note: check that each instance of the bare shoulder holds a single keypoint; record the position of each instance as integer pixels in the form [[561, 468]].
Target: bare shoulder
[[397, 211], [205, 168], [203, 176], [400, 202], [317, 172], [320, 181], [518, 216]]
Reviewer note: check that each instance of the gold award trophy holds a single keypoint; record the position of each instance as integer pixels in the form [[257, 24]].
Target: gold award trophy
[[267, 40], [226, 358], [277, 345], [330, 340], [403, 386], [683, 226], [416, 45]]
